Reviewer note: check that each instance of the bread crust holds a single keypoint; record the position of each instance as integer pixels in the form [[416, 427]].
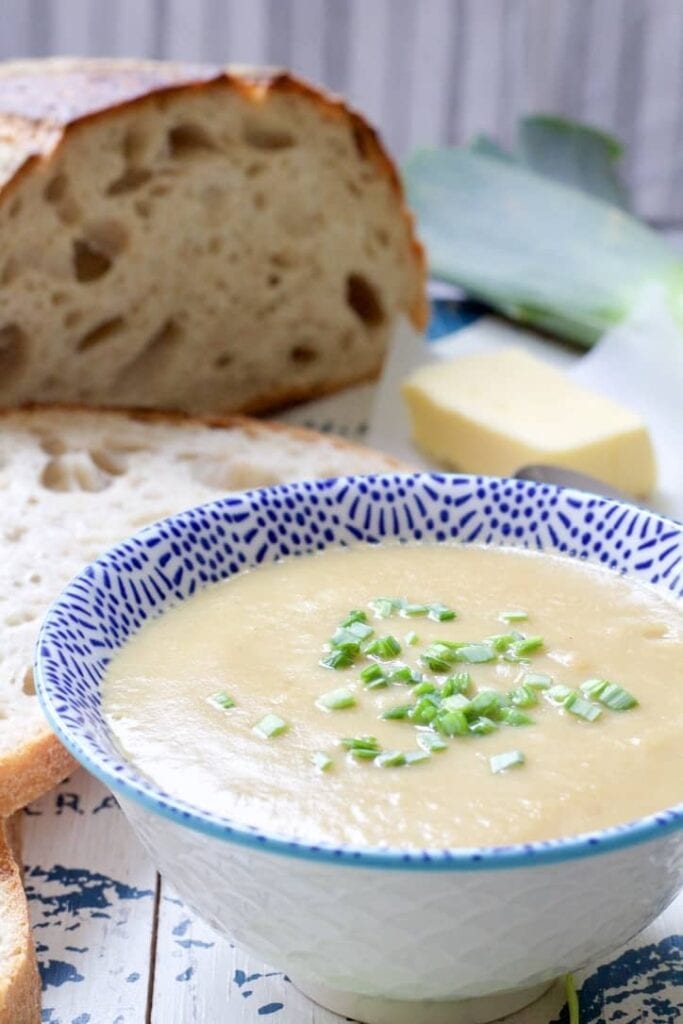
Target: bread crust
[[42, 102], [42, 762], [19, 981]]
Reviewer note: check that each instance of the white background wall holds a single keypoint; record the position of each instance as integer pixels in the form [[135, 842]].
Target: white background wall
[[424, 70]]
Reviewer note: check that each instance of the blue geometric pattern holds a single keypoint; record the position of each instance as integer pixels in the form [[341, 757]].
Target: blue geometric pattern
[[169, 561]]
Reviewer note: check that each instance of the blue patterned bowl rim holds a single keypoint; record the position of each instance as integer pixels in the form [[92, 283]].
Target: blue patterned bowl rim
[[245, 529]]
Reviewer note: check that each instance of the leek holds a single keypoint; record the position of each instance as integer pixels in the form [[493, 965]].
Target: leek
[[540, 252]]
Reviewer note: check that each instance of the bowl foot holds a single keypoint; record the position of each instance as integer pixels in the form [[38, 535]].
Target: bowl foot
[[377, 1010]]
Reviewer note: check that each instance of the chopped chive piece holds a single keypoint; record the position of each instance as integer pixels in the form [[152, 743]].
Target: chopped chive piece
[[337, 659], [524, 696], [371, 673], [424, 711], [431, 742], [456, 702], [501, 641], [417, 757], [475, 654], [486, 702], [364, 753], [360, 743], [558, 694], [322, 761], [344, 640], [461, 682], [617, 698], [360, 630], [510, 759], [270, 726], [593, 687], [378, 684], [397, 712], [336, 700], [513, 716], [390, 759], [516, 615], [441, 613], [537, 680], [405, 674], [358, 615], [414, 610], [384, 647], [435, 662], [582, 708], [527, 645], [383, 607], [482, 726], [221, 700], [424, 687], [411, 638], [451, 723]]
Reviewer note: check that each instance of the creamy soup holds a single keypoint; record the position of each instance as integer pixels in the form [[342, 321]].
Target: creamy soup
[[414, 695]]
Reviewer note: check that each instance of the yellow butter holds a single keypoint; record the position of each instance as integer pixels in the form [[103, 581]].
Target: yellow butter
[[494, 412]]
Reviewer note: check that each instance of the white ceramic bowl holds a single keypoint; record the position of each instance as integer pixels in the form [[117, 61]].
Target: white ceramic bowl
[[383, 935]]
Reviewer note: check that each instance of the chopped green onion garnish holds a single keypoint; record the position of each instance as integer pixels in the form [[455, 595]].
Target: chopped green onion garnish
[[510, 759], [322, 761], [336, 700], [482, 726], [364, 753], [414, 610], [451, 723], [424, 687], [582, 708], [524, 696], [593, 687], [424, 711], [431, 742], [384, 647], [537, 680], [221, 700], [527, 645], [486, 702], [405, 674], [344, 640], [558, 693], [513, 716], [437, 657], [371, 673], [355, 616], [513, 616], [617, 698], [461, 682], [270, 726], [360, 743], [501, 641], [337, 659], [441, 613], [397, 712], [417, 757], [475, 654], [383, 607], [456, 702], [360, 630], [411, 638], [391, 759]]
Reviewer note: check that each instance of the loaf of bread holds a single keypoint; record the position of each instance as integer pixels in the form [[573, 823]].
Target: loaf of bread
[[19, 984], [194, 239], [73, 482]]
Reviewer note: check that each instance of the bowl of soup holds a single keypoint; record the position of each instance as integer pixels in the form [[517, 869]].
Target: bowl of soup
[[413, 739]]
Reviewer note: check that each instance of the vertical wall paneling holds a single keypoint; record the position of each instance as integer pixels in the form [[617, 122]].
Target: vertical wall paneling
[[434, 48], [482, 61], [134, 29], [247, 25], [337, 44], [398, 74], [182, 30], [215, 32], [602, 64], [71, 28], [14, 30], [366, 59], [309, 20]]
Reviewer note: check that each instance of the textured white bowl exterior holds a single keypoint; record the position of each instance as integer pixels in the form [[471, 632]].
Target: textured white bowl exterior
[[431, 934]]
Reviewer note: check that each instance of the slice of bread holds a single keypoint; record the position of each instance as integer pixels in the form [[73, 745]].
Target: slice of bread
[[74, 482], [19, 982], [192, 238]]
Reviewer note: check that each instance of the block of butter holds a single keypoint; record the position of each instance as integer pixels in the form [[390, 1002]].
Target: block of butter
[[497, 411]]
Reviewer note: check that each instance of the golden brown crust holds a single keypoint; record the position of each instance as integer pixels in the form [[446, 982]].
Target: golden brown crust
[[42, 763], [42, 102], [19, 981]]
